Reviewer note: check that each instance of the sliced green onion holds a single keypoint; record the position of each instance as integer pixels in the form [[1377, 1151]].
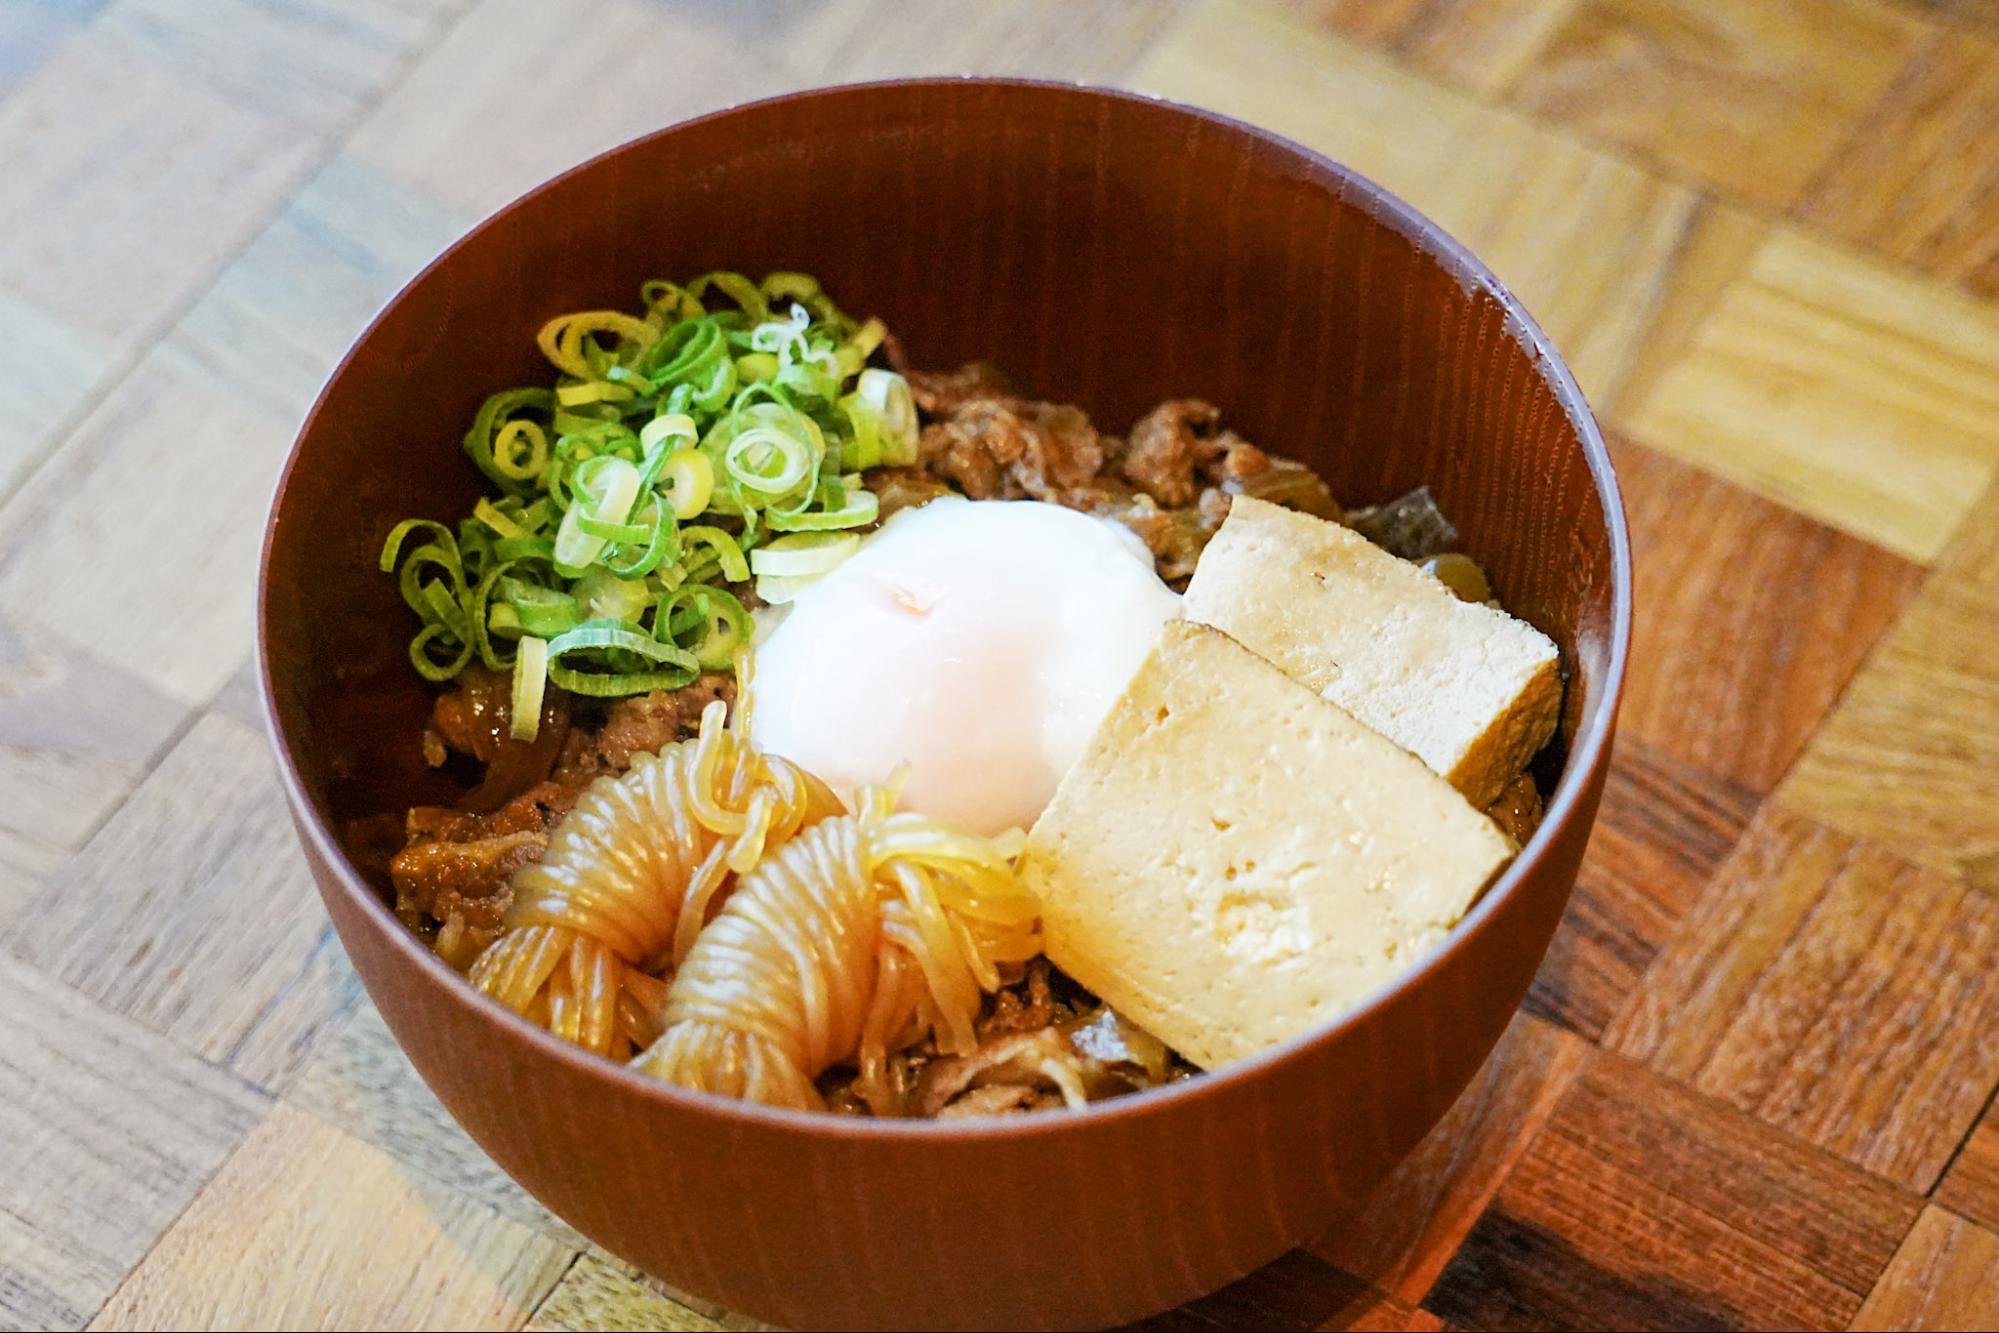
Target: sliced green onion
[[592, 391], [667, 431], [490, 449], [756, 367], [605, 596], [861, 508], [606, 488], [537, 610], [678, 666], [734, 567], [723, 622], [771, 449], [738, 289], [430, 667], [530, 680], [883, 397], [489, 514], [804, 554], [690, 481], [777, 590]]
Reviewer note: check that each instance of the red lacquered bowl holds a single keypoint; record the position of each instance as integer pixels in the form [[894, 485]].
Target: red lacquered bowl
[[1110, 251]]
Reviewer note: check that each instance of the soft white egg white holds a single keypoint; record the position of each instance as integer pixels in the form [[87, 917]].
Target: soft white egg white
[[977, 642]]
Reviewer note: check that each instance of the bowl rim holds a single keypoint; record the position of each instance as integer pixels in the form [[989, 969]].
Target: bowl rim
[[1588, 749]]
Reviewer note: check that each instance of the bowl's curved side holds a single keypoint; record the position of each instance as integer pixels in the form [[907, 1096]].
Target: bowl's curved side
[[1106, 248]]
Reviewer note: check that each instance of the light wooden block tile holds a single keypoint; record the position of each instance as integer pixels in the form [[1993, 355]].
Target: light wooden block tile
[[1415, 1221], [125, 183], [53, 365], [1842, 995], [359, 1079], [282, 315], [151, 565], [1971, 1186], [1855, 393], [1719, 241], [238, 697], [315, 62], [307, 1227], [31, 29], [76, 736], [847, 41], [599, 1294], [1751, 97], [1583, 238], [106, 1132], [26, 865], [1945, 1276], [1920, 180], [1483, 45], [1910, 756], [192, 913], [521, 89]]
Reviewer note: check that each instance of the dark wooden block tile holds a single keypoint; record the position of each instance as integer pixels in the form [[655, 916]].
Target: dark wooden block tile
[[1971, 1185], [1841, 995], [1407, 1232], [1663, 830], [1750, 618], [1645, 1205], [1296, 1292]]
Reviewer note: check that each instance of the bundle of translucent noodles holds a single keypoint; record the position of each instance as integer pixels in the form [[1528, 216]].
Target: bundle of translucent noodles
[[629, 877], [858, 937]]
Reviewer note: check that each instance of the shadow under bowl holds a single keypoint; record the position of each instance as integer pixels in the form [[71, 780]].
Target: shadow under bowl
[[1110, 251]]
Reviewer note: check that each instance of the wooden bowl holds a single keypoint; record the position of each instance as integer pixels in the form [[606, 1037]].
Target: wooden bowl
[[1110, 251]]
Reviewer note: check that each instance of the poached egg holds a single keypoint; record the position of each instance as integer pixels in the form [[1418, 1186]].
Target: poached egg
[[979, 643]]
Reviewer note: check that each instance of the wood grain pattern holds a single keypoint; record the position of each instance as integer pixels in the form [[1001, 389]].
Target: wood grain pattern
[[601, 1293], [845, 41], [54, 365], [183, 602], [282, 315], [1483, 45], [106, 1132], [1663, 830], [1907, 757], [1719, 241], [1756, 618], [1752, 98], [1644, 1205], [314, 63], [76, 736], [1971, 1186], [519, 90], [358, 1080], [1773, 994], [32, 29], [1415, 1222], [1919, 179], [1535, 204], [1297, 1292], [1945, 1276], [1842, 388], [190, 912], [210, 118], [360, 1245], [1765, 235]]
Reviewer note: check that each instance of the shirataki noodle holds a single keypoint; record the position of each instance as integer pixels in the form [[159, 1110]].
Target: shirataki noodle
[[840, 938]]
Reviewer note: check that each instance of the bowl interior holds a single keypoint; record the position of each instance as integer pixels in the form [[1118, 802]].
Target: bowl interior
[[1107, 251]]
